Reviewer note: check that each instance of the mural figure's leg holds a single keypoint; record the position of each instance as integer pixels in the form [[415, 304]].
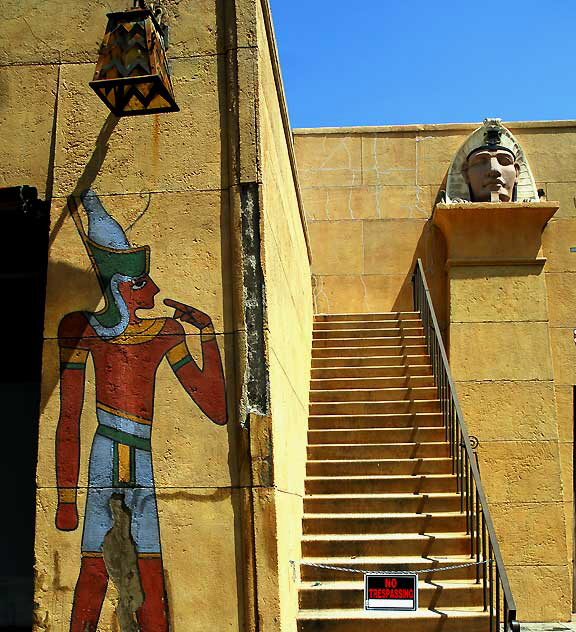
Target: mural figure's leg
[[89, 595], [153, 613]]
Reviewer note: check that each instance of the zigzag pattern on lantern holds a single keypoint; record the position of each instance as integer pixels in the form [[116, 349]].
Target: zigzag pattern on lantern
[[144, 99], [123, 97], [126, 71], [126, 51], [125, 39]]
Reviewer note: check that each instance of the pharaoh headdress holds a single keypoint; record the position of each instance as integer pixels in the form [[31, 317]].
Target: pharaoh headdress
[[492, 132], [114, 260]]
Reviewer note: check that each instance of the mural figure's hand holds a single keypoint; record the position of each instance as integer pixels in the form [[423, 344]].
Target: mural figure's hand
[[66, 516], [189, 314]]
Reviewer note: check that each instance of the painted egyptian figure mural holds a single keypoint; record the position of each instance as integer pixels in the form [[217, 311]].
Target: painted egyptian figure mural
[[126, 351]]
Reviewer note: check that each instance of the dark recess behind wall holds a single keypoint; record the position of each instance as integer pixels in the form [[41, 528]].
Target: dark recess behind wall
[[23, 259]]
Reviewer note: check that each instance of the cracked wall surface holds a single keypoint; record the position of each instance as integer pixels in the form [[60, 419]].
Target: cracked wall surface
[[121, 560], [367, 194]]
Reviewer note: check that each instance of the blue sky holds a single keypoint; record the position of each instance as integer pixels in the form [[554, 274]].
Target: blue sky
[[381, 62]]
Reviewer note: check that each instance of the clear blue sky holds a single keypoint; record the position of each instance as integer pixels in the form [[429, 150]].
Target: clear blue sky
[[388, 62]]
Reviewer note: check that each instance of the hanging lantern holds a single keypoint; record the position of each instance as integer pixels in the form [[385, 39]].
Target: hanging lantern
[[132, 74]]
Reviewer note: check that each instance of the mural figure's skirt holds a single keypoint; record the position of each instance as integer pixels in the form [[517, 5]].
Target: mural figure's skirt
[[121, 467]]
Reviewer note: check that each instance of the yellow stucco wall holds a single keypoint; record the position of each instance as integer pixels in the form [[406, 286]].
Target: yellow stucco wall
[[289, 323], [163, 177], [229, 498], [502, 366]]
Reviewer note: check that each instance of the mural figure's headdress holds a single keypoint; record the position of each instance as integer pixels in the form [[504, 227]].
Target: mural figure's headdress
[[114, 260], [492, 135]]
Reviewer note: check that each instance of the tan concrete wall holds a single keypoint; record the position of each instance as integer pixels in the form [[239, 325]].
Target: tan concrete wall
[[229, 498], [368, 193], [502, 367], [162, 178], [289, 322], [553, 153]]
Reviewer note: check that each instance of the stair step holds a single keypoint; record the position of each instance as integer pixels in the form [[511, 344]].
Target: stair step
[[359, 383], [378, 450], [382, 503], [403, 360], [374, 408], [392, 420], [366, 467], [389, 394], [392, 563], [359, 334], [384, 523], [367, 372], [360, 343], [367, 316], [376, 435], [380, 493], [394, 347], [424, 620], [350, 594], [363, 325], [388, 544], [380, 484]]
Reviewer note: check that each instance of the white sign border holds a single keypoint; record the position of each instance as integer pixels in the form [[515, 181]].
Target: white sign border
[[386, 609]]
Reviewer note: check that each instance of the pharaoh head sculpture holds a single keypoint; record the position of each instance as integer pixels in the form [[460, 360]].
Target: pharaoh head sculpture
[[490, 167]]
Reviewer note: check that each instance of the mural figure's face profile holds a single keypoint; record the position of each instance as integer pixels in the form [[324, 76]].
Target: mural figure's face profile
[[139, 293], [488, 170]]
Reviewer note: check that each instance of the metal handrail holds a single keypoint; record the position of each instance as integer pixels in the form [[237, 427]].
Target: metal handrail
[[483, 543]]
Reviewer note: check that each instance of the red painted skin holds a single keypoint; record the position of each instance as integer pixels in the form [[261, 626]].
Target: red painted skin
[[125, 380]]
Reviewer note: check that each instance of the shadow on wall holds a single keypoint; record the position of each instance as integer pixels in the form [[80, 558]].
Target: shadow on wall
[[87, 177], [72, 282], [76, 279], [239, 459], [431, 248]]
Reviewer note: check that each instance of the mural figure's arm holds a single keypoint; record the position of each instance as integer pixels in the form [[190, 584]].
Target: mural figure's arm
[[72, 372], [206, 386]]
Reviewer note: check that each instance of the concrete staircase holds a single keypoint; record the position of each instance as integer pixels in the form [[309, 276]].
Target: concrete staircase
[[380, 493]]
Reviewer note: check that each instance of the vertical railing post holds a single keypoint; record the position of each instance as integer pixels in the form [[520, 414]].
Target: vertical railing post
[[477, 537], [484, 566], [491, 585], [472, 521], [461, 471], [497, 600], [466, 490]]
